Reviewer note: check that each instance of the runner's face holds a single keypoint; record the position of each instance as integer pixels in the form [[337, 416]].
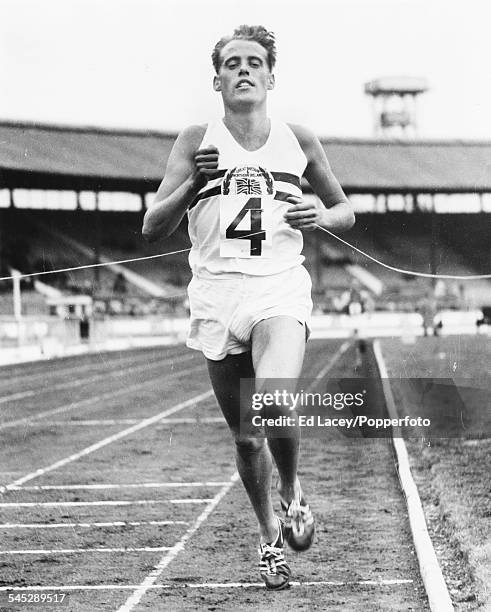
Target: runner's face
[[244, 76]]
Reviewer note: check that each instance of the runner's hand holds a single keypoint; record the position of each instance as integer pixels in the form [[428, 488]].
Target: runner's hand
[[206, 161], [302, 216]]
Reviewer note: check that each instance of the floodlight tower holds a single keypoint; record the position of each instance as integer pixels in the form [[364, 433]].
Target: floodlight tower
[[395, 104]]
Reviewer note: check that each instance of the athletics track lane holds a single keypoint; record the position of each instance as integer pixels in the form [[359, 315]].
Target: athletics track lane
[[363, 530]]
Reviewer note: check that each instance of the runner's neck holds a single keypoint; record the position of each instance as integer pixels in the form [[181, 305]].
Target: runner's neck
[[251, 131]]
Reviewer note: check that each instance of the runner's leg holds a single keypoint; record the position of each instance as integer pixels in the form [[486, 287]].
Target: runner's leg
[[278, 348], [253, 457]]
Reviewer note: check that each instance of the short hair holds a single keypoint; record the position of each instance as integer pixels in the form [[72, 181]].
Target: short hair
[[257, 34]]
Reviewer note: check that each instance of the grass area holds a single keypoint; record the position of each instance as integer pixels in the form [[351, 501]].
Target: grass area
[[453, 473]]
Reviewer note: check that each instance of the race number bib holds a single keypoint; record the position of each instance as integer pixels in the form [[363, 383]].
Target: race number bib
[[246, 213]]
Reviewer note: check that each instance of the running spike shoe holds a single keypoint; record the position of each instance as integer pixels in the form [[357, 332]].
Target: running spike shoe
[[299, 524], [273, 568]]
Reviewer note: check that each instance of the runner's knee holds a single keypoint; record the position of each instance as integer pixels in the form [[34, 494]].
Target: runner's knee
[[248, 445]]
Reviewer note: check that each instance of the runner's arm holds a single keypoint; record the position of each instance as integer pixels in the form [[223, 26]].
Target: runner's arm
[[182, 181], [337, 213]]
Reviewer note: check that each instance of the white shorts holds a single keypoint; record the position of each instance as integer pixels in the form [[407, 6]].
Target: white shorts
[[224, 310]]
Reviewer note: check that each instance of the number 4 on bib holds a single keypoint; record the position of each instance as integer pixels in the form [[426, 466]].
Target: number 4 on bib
[[245, 226]]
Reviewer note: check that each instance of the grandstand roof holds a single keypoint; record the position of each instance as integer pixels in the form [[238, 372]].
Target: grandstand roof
[[66, 157]]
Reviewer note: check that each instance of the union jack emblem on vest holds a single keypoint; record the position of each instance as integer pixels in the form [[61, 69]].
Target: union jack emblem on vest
[[248, 186], [248, 180]]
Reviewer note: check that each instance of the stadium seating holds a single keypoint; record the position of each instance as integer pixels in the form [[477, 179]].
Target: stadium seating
[[49, 239]]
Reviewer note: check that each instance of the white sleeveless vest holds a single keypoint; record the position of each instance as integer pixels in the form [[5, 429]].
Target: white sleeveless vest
[[236, 221]]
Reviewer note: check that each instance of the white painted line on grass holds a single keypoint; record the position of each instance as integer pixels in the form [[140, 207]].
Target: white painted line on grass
[[93, 400], [109, 422], [431, 573], [79, 382], [110, 502], [69, 551], [139, 485], [106, 441], [206, 585], [139, 592], [89, 525]]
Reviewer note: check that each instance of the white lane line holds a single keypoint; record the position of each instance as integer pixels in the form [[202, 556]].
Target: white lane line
[[106, 441], [226, 585], [139, 485], [431, 573], [67, 551], [90, 401], [77, 369], [91, 368], [140, 591], [329, 365], [108, 422], [207, 585], [79, 382], [89, 525], [109, 502], [82, 423]]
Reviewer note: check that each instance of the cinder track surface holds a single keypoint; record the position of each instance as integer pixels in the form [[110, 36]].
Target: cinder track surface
[[114, 465]]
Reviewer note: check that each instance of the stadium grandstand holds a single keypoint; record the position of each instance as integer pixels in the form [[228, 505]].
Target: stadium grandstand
[[75, 196]]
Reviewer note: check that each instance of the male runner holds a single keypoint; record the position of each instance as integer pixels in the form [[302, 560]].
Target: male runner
[[238, 179]]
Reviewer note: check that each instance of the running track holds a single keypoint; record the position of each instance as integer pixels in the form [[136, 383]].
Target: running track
[[119, 488]]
